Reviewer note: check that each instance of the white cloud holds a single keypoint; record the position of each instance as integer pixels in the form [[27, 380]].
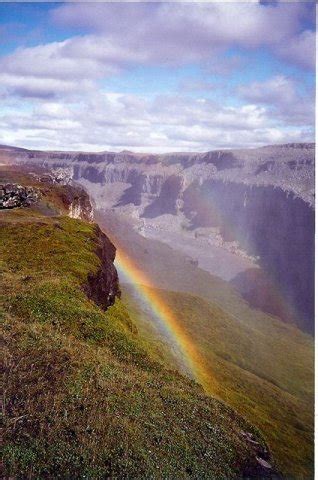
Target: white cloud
[[284, 97], [61, 82], [42, 88], [116, 122], [119, 37], [53, 60], [178, 32], [301, 49]]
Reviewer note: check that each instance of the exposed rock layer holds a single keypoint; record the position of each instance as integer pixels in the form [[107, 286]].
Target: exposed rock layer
[[103, 287], [78, 203], [259, 203]]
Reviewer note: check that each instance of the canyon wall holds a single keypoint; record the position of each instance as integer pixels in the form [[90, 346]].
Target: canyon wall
[[257, 204], [274, 226]]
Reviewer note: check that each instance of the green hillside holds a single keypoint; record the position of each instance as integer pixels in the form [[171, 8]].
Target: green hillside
[[83, 395], [264, 369]]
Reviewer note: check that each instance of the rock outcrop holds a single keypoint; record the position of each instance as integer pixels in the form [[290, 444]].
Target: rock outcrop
[[74, 197], [103, 287], [13, 195], [77, 201], [55, 197]]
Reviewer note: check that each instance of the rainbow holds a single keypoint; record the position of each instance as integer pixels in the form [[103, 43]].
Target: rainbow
[[164, 315]]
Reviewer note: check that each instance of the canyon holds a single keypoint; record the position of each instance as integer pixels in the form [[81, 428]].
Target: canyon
[[59, 275], [245, 216], [81, 384]]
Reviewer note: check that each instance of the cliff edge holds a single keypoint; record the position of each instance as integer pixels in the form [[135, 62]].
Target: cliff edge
[[84, 398]]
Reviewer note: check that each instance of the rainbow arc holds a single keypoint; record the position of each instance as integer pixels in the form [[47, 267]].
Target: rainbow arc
[[167, 319]]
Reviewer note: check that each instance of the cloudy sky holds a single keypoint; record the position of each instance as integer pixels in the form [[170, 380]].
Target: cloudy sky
[[156, 76]]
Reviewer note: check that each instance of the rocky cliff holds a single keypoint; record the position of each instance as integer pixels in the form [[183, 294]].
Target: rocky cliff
[[288, 166], [85, 398], [73, 197], [77, 201], [50, 197], [275, 227], [232, 211], [102, 286]]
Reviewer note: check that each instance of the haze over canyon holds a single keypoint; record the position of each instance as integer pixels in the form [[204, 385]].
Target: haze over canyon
[[245, 216]]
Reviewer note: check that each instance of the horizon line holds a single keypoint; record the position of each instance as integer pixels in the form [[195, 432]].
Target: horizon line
[[175, 152]]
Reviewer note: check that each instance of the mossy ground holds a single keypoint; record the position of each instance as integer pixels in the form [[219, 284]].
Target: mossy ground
[[263, 368], [83, 395]]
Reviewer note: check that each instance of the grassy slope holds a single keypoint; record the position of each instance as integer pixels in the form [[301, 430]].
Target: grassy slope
[[83, 396], [169, 269], [262, 369]]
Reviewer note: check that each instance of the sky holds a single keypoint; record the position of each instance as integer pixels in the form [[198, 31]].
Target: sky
[[156, 76]]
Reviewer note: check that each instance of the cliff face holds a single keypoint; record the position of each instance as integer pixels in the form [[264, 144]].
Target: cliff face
[[78, 203], [256, 204], [84, 397], [51, 198], [288, 166], [73, 197], [103, 287], [273, 226]]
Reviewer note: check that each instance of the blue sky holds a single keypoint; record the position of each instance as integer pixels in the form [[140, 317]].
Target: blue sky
[[156, 76]]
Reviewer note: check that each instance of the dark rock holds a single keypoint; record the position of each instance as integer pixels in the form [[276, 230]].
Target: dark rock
[[103, 287], [77, 201], [259, 466], [14, 196]]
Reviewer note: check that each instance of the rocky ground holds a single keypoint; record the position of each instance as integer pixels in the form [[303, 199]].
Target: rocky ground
[[14, 195]]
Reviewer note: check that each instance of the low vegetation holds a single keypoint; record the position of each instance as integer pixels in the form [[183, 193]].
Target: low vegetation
[[84, 397], [260, 366]]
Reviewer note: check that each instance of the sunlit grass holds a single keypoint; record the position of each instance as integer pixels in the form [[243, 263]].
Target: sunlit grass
[[84, 396], [265, 371]]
